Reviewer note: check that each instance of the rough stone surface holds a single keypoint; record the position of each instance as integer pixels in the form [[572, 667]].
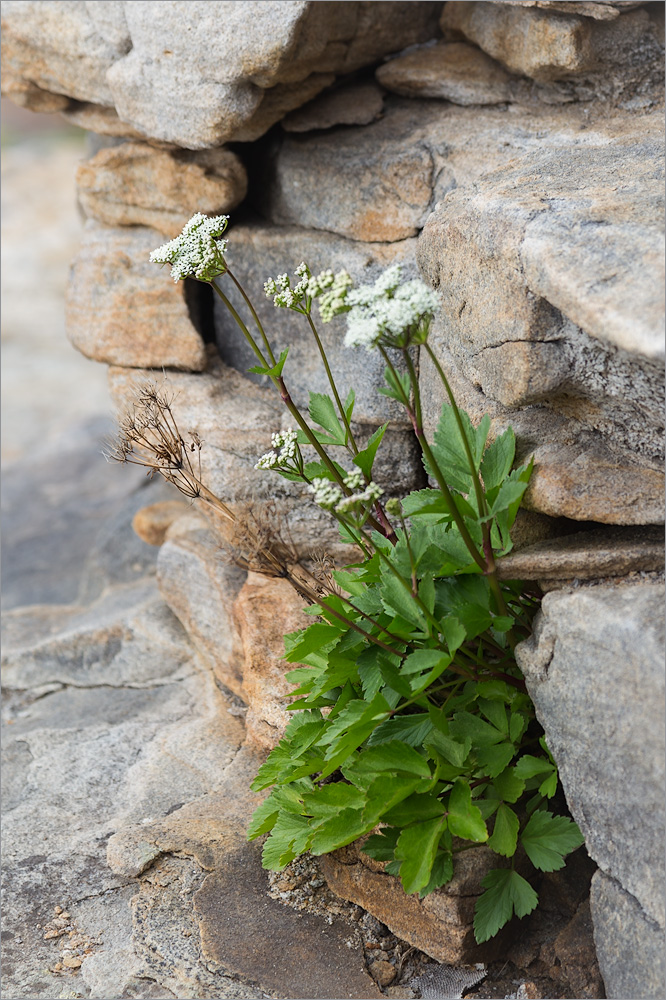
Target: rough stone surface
[[199, 74], [630, 946], [264, 611], [538, 339], [587, 555], [112, 279], [151, 523], [355, 104], [440, 925], [452, 71], [135, 184], [594, 670], [607, 57], [258, 251]]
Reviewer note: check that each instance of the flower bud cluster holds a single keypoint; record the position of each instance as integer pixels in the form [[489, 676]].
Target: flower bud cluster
[[331, 291], [198, 251], [280, 290], [330, 497], [285, 454]]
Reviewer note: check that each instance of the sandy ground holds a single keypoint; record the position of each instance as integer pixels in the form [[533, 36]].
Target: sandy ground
[[47, 386]]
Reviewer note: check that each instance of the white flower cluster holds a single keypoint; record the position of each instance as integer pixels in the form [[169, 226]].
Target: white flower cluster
[[285, 441], [331, 290], [389, 312], [280, 290], [330, 497], [198, 250]]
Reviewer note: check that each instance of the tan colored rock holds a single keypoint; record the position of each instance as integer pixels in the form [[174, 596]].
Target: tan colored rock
[[264, 611], [135, 184], [383, 972], [549, 45], [605, 10], [588, 555], [452, 71], [58, 48], [279, 101], [151, 523], [440, 925], [28, 95], [355, 104], [99, 119], [121, 311]]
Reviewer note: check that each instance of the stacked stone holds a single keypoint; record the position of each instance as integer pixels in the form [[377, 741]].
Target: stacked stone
[[513, 150]]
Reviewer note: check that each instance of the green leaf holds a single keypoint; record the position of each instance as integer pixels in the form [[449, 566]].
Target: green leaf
[[508, 785], [464, 818], [410, 729], [416, 848], [322, 410], [449, 450], [481, 733], [504, 837], [276, 370], [547, 839], [290, 837], [455, 751], [495, 712], [348, 404], [365, 458], [549, 786], [498, 459], [414, 809], [338, 830], [442, 872], [506, 893], [328, 800], [316, 637], [396, 757], [384, 792], [528, 766], [381, 846], [397, 386], [492, 760], [263, 818], [396, 598]]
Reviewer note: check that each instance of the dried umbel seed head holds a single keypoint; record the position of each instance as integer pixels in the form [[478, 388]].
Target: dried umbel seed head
[[149, 436]]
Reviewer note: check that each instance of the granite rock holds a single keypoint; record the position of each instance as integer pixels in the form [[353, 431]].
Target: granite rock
[[111, 281], [452, 71], [607, 736], [151, 523], [535, 336], [353, 104], [135, 184], [597, 57], [199, 74], [630, 946]]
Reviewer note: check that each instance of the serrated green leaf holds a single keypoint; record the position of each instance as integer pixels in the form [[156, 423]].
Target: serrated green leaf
[[410, 729], [416, 848], [318, 636], [464, 818], [328, 800], [396, 757], [547, 839], [492, 760], [455, 751], [323, 412], [482, 734], [397, 599], [498, 459], [348, 404], [338, 830], [506, 893], [381, 846], [414, 809], [495, 712], [549, 786], [528, 766], [290, 837], [517, 726], [366, 458], [397, 386], [442, 872], [263, 818], [508, 785], [504, 837], [384, 792]]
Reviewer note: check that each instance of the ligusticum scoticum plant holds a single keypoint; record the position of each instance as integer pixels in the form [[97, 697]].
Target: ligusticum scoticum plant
[[411, 720]]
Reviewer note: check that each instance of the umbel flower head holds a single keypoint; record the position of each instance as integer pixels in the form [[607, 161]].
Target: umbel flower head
[[198, 252], [389, 313]]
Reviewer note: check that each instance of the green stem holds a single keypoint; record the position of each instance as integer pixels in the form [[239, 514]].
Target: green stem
[[331, 382], [254, 315], [246, 333]]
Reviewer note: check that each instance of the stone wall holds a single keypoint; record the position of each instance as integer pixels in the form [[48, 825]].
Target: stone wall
[[512, 153]]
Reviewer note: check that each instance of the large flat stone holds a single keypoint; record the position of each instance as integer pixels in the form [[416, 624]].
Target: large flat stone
[[630, 946], [594, 669], [135, 184], [111, 278], [547, 346], [452, 71]]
